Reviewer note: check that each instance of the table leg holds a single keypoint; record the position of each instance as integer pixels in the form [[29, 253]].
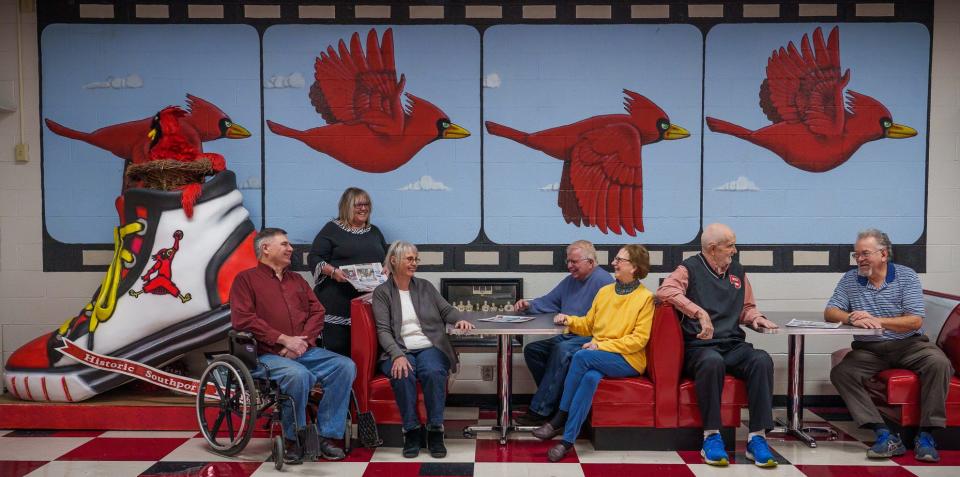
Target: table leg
[[504, 392], [794, 423]]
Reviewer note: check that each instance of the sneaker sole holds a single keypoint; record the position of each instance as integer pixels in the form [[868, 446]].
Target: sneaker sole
[[766, 465], [79, 382], [896, 453], [926, 458], [717, 463]]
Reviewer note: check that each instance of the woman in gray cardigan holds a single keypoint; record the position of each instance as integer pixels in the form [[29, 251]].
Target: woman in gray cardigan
[[411, 328]]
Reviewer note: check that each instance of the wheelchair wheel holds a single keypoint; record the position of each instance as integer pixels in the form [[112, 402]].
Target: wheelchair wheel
[[227, 418], [278, 452]]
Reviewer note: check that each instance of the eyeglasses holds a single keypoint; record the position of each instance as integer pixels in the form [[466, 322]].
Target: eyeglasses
[[571, 262], [411, 259], [864, 254], [620, 259], [361, 205]]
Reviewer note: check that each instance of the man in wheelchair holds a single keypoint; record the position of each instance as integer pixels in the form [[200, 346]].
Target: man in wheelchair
[[278, 307]]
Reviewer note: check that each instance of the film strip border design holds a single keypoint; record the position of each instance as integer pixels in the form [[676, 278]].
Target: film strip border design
[[482, 12], [482, 255]]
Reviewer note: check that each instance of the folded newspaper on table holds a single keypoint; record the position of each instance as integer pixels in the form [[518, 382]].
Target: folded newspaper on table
[[812, 324], [507, 319], [364, 276]]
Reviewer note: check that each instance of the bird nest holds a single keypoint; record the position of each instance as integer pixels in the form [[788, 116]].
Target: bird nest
[[168, 174]]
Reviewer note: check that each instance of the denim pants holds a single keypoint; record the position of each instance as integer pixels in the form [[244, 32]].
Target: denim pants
[[430, 367], [548, 361], [586, 369], [297, 376]]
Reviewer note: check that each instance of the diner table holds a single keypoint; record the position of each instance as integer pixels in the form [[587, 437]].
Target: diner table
[[541, 324], [793, 425]]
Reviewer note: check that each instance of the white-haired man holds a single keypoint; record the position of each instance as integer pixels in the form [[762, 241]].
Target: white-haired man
[[548, 360], [712, 292]]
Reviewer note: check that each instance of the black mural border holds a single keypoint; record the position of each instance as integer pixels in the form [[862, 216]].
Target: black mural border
[[67, 257]]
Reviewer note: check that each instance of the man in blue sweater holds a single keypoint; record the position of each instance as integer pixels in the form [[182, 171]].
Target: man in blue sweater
[[549, 359]]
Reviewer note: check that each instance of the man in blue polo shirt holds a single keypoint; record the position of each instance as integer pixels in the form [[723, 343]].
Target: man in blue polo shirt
[[880, 294], [548, 360]]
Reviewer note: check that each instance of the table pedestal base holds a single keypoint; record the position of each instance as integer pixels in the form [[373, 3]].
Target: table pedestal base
[[803, 433], [504, 391]]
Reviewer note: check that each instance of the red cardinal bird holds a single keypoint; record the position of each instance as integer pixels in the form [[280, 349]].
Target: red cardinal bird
[[802, 95], [602, 179], [359, 97], [128, 141], [168, 143]]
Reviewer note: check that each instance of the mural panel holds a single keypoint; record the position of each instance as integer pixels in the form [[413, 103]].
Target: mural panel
[[594, 130], [393, 110], [101, 86], [816, 131]]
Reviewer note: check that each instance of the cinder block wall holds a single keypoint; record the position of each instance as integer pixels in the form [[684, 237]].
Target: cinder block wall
[[33, 302]]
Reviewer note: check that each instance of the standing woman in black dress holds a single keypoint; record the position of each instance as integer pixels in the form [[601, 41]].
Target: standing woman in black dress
[[347, 240]]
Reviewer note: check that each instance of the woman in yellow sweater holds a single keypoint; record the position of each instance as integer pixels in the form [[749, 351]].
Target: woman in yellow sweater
[[619, 322]]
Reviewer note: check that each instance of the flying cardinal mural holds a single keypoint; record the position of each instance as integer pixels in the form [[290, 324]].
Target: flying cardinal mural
[[602, 180], [368, 127], [815, 127], [130, 141]]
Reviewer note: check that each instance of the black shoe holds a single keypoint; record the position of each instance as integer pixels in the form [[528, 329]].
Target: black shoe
[[412, 442], [435, 443], [531, 418], [546, 432], [292, 452], [329, 450], [558, 452]]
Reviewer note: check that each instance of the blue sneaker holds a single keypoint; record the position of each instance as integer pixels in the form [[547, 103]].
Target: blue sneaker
[[887, 445], [759, 452], [713, 452], [925, 449]]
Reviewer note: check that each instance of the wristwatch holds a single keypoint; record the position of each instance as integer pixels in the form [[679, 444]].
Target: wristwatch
[[850, 319]]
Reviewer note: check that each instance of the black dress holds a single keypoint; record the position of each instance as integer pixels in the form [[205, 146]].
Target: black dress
[[338, 246]]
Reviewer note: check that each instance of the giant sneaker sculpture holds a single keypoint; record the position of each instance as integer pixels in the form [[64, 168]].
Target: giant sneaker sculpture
[[165, 291]]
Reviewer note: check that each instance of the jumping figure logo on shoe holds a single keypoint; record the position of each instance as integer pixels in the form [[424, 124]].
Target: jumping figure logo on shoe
[[735, 281], [159, 278]]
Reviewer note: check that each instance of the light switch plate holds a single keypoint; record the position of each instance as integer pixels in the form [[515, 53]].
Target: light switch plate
[[21, 153]]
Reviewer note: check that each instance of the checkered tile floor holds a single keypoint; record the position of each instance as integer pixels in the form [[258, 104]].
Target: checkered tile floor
[[120, 454]]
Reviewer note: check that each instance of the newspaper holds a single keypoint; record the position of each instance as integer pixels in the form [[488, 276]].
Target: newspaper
[[364, 276], [812, 324], [507, 319]]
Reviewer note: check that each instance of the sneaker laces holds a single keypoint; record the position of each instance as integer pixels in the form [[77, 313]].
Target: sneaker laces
[[101, 308], [925, 440]]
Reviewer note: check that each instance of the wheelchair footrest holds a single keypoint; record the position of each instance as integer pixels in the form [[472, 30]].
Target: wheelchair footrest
[[309, 442]]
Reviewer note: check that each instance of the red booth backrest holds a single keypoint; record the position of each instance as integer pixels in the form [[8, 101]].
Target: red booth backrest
[[664, 363], [949, 338], [364, 348]]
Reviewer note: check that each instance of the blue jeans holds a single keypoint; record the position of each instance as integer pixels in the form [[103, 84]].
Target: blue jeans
[[297, 376], [548, 361], [430, 367], [586, 369]]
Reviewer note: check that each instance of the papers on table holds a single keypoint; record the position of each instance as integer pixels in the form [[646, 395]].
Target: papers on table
[[364, 276], [813, 324], [507, 319]]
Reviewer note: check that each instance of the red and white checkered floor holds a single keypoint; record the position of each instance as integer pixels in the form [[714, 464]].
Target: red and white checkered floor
[[152, 453]]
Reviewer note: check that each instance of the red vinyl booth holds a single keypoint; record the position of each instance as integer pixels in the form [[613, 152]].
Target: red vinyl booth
[[658, 411], [897, 391], [371, 386]]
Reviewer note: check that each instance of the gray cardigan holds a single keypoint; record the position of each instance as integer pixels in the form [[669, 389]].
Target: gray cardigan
[[433, 312]]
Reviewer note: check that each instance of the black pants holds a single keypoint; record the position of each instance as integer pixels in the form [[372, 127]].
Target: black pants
[[336, 338], [707, 365]]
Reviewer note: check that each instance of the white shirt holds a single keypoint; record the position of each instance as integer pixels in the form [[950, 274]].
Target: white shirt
[[410, 331]]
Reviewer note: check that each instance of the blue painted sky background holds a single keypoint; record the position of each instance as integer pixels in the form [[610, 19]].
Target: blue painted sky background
[[556, 75], [442, 65], [883, 185], [219, 63]]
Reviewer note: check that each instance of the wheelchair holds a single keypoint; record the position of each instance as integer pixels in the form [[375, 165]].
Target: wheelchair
[[228, 417]]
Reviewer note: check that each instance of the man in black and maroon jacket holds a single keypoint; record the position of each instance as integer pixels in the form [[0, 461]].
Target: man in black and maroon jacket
[[712, 293]]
